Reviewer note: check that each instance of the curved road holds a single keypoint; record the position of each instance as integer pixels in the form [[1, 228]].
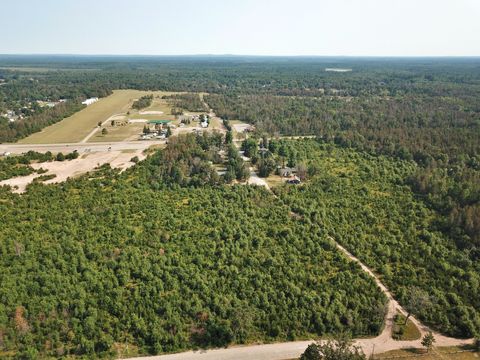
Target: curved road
[[293, 349], [275, 351]]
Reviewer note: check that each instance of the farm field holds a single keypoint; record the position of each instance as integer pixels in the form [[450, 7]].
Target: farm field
[[76, 127]]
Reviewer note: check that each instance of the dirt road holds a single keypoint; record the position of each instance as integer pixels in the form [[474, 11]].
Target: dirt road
[[96, 128], [292, 350], [384, 341]]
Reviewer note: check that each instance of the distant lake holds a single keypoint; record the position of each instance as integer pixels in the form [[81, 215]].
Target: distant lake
[[338, 69]]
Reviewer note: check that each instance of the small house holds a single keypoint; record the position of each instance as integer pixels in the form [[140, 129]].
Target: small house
[[286, 171], [90, 101], [159, 124]]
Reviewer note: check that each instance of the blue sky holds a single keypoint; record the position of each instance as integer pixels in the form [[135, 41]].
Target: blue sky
[[256, 27]]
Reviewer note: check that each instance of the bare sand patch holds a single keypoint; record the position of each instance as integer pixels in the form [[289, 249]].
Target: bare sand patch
[[151, 112], [241, 127], [134, 121], [69, 169]]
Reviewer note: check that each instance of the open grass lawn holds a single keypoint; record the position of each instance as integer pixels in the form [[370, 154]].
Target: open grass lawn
[[119, 133], [76, 127], [216, 124], [275, 180], [402, 331], [158, 104], [443, 353], [132, 131]]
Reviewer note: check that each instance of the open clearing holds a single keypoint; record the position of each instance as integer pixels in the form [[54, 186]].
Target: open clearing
[[150, 112], [68, 169], [160, 109], [129, 132], [240, 127], [78, 126], [450, 353]]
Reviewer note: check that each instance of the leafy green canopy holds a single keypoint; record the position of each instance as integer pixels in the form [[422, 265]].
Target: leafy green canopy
[[362, 201], [112, 259]]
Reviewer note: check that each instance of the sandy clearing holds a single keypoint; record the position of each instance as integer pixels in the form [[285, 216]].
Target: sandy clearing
[[151, 112], [133, 121], [68, 169], [241, 127], [254, 179]]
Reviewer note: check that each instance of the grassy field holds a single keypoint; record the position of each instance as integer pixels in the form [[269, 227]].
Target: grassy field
[[444, 353], [132, 131], [118, 133], [76, 127], [402, 331], [158, 104]]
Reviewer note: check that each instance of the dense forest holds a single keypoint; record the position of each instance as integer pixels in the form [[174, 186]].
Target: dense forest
[[189, 102], [441, 134], [170, 266], [174, 254], [363, 202]]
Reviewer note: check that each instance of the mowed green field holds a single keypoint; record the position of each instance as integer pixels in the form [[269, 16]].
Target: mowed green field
[[76, 127], [132, 131]]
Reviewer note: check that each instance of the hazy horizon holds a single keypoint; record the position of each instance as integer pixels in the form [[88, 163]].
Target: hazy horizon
[[245, 56], [307, 28]]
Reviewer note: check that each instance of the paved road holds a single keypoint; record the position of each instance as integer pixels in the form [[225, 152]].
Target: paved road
[[276, 351], [80, 147]]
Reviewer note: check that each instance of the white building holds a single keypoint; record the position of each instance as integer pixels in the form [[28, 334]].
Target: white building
[[90, 101]]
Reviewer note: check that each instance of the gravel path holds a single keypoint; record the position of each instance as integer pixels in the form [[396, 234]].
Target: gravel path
[[292, 350]]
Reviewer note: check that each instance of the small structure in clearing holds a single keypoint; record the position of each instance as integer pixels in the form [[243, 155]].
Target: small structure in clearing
[[159, 124], [286, 171], [119, 122], [90, 101]]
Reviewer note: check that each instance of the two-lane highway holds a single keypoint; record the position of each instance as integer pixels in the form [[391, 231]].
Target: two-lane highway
[[80, 147]]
